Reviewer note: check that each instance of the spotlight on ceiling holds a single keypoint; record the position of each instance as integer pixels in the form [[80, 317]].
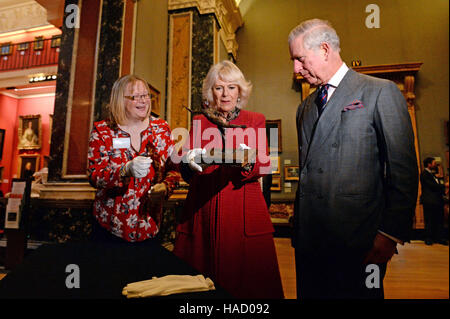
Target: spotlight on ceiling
[[40, 78]]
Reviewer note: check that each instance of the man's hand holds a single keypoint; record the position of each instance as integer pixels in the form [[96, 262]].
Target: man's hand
[[382, 250], [157, 192]]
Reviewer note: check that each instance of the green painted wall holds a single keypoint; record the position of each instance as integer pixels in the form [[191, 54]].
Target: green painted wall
[[151, 45], [410, 31]]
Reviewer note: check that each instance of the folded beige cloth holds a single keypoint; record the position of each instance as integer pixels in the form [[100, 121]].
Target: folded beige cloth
[[167, 285]]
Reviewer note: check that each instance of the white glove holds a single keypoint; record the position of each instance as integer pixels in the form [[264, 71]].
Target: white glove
[[190, 156], [139, 166], [167, 285]]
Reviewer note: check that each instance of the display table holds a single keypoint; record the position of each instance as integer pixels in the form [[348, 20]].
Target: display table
[[104, 269]]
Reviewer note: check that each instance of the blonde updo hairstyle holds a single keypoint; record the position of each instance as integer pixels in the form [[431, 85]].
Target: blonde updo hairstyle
[[228, 72], [116, 107]]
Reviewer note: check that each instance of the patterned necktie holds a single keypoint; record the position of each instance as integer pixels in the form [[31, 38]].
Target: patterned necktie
[[322, 97]]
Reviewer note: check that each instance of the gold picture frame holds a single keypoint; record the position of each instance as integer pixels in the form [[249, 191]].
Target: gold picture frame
[[30, 132], [50, 127], [275, 164], [5, 48], [274, 124], [55, 41], [291, 172], [27, 160], [155, 97], [23, 46], [276, 183], [38, 43]]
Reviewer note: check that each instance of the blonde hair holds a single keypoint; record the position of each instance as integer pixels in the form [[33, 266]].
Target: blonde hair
[[226, 71], [116, 104]]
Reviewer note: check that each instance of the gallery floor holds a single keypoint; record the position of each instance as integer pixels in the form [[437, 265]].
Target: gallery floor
[[417, 272]]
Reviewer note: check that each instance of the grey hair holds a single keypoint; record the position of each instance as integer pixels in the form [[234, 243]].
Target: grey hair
[[315, 32], [226, 71]]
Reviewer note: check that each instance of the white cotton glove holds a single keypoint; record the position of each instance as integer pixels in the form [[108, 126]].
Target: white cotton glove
[[167, 285], [190, 157], [139, 166]]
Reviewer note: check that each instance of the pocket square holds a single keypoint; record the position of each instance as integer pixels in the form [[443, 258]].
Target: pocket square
[[356, 104]]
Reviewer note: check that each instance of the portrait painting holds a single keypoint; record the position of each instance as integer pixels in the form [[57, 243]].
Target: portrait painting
[[29, 132], [28, 165]]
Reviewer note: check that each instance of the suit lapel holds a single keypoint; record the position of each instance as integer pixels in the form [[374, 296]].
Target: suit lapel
[[331, 116], [309, 119]]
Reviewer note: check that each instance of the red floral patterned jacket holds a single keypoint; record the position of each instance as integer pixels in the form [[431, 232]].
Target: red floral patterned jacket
[[122, 205]]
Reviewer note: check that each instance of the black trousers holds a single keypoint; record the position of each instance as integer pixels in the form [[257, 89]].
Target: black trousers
[[434, 222], [338, 276]]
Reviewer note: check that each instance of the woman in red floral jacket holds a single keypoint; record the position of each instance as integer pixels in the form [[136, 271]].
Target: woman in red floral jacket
[[129, 165], [225, 230]]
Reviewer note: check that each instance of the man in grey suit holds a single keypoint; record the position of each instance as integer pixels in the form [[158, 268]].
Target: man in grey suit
[[358, 172]]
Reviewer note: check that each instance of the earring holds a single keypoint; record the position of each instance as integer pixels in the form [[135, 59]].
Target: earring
[[238, 99]]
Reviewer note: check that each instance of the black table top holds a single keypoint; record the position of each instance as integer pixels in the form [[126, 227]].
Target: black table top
[[104, 270]]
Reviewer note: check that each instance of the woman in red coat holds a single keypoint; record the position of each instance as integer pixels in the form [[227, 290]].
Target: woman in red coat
[[225, 231]]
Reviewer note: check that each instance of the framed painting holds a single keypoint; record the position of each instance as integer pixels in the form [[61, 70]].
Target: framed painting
[[276, 183], [30, 132], [5, 48], [22, 46], [291, 172], [38, 43], [28, 165], [155, 97], [50, 126], [56, 41], [275, 164], [274, 138]]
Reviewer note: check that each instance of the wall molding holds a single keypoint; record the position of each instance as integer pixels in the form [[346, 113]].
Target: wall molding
[[22, 16], [226, 12], [19, 97]]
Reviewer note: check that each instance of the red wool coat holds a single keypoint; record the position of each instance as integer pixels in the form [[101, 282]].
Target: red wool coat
[[225, 230]]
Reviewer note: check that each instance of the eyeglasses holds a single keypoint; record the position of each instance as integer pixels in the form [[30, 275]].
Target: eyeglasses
[[138, 97]]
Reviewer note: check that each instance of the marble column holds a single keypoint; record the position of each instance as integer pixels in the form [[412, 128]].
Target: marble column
[[88, 66], [92, 57], [195, 29]]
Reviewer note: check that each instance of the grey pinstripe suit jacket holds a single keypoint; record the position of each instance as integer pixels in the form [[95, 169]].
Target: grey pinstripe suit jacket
[[358, 168]]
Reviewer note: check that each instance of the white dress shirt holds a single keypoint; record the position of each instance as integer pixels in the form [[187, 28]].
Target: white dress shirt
[[336, 79]]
